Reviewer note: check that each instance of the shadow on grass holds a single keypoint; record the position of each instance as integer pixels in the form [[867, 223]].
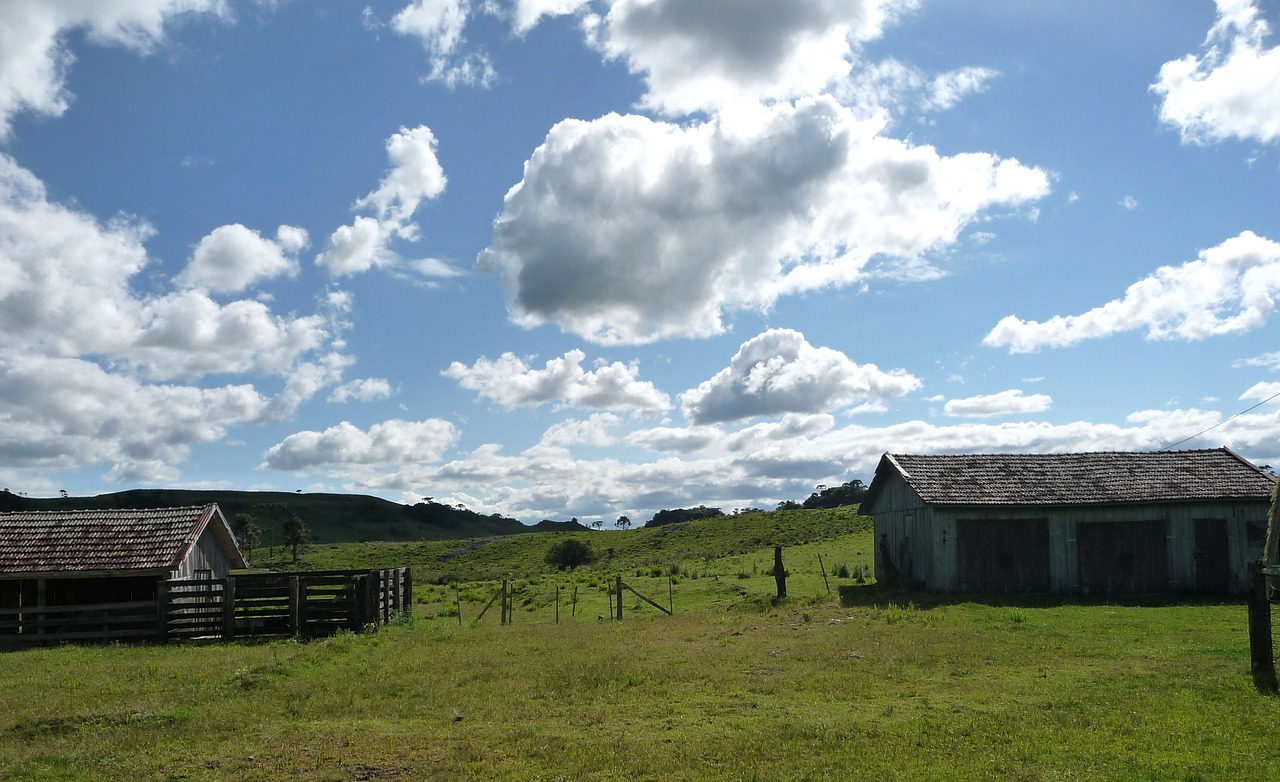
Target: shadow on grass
[[881, 596]]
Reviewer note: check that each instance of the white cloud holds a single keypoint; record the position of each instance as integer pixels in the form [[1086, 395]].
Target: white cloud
[[1002, 403], [898, 88], [1129, 203], [598, 431], [365, 390], [511, 383], [68, 414], [779, 372], [232, 258], [946, 90], [1269, 360], [358, 248], [389, 442], [1230, 288], [439, 25], [712, 53], [1261, 391], [84, 348], [626, 230], [415, 176], [34, 56], [676, 439], [529, 12], [66, 289], [1232, 88]]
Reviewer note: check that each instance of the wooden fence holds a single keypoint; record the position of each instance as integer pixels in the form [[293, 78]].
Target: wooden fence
[[258, 605]]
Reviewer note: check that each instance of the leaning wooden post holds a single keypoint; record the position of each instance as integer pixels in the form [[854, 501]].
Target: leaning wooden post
[[619, 592], [779, 572], [1261, 652], [823, 568], [573, 612], [229, 608]]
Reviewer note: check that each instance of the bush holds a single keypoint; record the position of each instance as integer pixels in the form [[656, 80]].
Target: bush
[[568, 554]]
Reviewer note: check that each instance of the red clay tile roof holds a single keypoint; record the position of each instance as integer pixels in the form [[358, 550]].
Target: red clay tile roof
[[1080, 478], [98, 540]]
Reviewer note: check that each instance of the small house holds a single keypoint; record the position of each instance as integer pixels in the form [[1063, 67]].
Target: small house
[[1074, 523], [96, 573]]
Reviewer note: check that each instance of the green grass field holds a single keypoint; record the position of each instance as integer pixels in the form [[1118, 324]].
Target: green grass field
[[853, 683]]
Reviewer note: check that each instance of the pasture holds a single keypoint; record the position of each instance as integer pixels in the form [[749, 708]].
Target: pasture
[[861, 683]]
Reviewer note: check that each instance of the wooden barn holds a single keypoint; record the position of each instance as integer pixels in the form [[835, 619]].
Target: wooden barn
[[98, 571], [1077, 523]]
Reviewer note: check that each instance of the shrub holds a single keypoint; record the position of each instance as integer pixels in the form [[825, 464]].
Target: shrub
[[568, 554], [840, 570]]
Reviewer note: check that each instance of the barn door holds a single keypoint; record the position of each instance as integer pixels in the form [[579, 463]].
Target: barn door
[[1003, 555], [1213, 565], [1123, 557]]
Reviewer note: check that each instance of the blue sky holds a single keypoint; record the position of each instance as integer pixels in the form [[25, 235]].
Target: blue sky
[[554, 258]]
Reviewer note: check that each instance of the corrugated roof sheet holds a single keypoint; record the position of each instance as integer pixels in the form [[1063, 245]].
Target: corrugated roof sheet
[[1083, 478], [96, 540]]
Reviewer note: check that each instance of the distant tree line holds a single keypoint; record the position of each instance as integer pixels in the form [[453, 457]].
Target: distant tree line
[[851, 493], [677, 515]]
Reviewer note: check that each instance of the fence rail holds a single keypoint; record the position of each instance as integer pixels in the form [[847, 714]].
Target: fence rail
[[257, 605]]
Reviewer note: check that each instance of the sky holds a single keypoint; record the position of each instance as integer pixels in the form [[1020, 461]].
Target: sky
[[592, 258]]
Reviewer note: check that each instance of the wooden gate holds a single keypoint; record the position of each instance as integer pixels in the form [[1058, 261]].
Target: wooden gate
[[1213, 563], [1123, 557], [1003, 555]]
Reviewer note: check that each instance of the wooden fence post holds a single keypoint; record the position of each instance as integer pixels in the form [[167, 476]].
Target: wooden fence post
[[619, 591], [371, 596], [557, 604], [503, 598], [779, 572], [823, 568], [1261, 652], [457, 597], [573, 612], [296, 594], [162, 611], [408, 590], [229, 608]]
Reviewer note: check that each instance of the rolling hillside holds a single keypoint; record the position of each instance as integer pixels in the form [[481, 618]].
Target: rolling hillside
[[332, 518]]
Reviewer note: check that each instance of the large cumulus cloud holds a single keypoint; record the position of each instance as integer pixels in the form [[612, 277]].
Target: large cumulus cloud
[[704, 55], [1231, 89], [629, 230]]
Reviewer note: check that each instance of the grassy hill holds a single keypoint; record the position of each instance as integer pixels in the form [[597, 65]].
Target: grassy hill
[[332, 518], [687, 546]]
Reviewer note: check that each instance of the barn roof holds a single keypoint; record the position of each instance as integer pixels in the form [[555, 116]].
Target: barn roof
[[1101, 478], [81, 541]]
